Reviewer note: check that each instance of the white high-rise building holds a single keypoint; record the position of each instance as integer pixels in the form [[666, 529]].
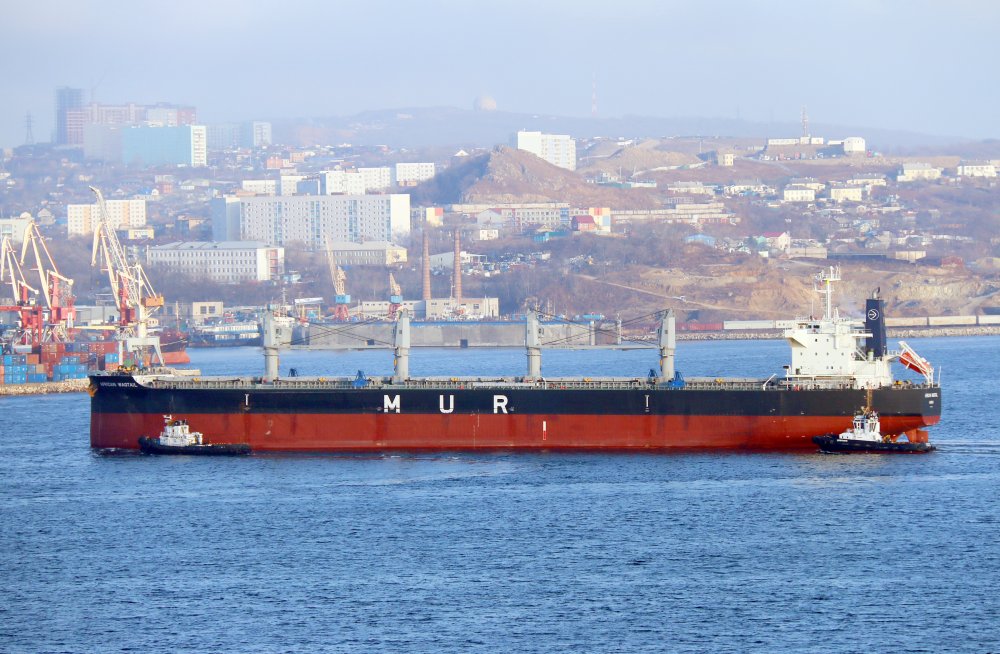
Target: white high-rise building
[[355, 182], [557, 149], [311, 219], [15, 228], [376, 179], [288, 184], [122, 214], [261, 186], [341, 182], [408, 174], [259, 133]]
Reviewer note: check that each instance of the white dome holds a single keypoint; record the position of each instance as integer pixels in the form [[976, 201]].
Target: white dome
[[485, 103]]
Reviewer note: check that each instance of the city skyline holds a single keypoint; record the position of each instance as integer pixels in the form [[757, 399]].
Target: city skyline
[[914, 66]]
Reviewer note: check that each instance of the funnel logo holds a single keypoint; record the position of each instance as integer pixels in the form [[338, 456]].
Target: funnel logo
[[873, 314]]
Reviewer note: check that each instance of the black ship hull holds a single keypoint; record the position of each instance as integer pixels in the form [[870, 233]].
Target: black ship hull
[[313, 415], [153, 446], [832, 444]]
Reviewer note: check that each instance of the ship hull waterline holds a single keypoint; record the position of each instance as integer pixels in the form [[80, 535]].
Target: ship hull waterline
[[448, 419]]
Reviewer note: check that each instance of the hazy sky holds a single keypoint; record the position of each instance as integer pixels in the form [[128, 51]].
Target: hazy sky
[[918, 65]]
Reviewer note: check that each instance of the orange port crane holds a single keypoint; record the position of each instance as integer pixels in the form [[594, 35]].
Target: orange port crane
[[39, 323], [30, 315], [134, 295], [56, 289]]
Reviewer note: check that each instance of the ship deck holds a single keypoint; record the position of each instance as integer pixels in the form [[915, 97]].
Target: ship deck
[[461, 383]]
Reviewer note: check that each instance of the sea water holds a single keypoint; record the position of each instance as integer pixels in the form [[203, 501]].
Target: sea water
[[498, 552]]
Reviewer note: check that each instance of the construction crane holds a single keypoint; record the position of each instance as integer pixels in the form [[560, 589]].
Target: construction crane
[[341, 299], [134, 295], [395, 297]]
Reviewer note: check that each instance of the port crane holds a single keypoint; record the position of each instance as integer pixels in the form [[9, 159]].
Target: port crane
[[30, 316], [39, 323], [395, 297], [134, 295], [341, 299], [56, 289]]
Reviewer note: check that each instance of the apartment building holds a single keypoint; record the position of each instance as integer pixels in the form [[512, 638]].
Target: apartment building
[[311, 219], [557, 149], [911, 172], [227, 262], [367, 253], [122, 214], [185, 145], [976, 169], [411, 174]]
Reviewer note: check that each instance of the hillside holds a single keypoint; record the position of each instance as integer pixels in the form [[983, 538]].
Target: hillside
[[509, 175]]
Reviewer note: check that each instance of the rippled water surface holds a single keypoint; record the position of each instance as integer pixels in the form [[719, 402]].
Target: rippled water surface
[[499, 552]]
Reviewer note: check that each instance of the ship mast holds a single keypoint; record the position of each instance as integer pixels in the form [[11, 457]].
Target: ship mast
[[401, 344], [277, 332], [533, 345], [667, 338], [827, 278]]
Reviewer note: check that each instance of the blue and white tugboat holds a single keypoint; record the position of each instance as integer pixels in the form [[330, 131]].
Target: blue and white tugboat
[[177, 438], [865, 435]]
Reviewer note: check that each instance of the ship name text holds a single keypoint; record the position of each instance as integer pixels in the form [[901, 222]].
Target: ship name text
[[446, 403]]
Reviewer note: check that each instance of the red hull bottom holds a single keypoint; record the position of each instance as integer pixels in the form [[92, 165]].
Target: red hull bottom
[[176, 357], [379, 432]]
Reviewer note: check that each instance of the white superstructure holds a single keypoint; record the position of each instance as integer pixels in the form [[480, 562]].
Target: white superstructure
[[829, 351], [177, 433]]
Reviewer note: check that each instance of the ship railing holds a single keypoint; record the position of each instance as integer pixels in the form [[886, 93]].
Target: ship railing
[[320, 383], [690, 384]]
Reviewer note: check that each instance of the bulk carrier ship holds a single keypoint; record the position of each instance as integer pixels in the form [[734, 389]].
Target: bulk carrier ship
[[838, 367]]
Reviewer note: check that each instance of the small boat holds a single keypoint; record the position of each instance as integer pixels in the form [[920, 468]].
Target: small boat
[[177, 438], [865, 435]]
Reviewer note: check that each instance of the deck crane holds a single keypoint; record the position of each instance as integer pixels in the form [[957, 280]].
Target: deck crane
[[395, 297], [134, 295], [341, 300]]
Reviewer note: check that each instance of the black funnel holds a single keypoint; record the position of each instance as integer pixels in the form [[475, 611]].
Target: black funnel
[[875, 324]]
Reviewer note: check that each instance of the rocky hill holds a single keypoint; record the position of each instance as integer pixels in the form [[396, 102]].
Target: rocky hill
[[509, 175]]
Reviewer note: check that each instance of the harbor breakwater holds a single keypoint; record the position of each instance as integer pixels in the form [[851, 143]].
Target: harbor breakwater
[[41, 388]]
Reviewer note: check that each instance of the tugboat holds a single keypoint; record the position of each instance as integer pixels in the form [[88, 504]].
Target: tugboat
[[177, 438], [865, 435]]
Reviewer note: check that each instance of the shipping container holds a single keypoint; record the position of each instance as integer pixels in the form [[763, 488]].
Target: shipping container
[[906, 322], [699, 326], [943, 321], [748, 324]]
